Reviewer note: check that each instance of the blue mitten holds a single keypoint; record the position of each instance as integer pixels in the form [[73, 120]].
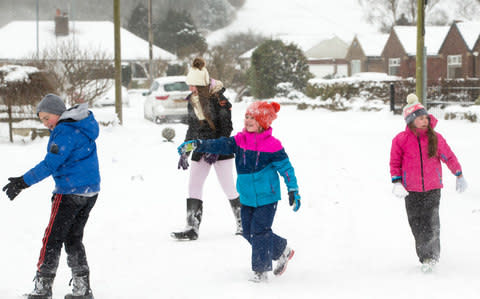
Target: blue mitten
[[187, 146], [294, 199]]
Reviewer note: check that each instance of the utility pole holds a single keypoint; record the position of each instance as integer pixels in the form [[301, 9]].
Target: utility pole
[[38, 39], [118, 60], [150, 43], [420, 61]]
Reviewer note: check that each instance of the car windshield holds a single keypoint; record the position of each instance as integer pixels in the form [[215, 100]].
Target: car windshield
[[176, 86]]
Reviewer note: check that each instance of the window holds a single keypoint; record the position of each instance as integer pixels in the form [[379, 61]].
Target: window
[[355, 66], [176, 86], [454, 66], [393, 66], [139, 71]]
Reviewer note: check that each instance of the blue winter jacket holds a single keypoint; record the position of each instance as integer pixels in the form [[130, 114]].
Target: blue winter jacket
[[259, 158], [71, 154]]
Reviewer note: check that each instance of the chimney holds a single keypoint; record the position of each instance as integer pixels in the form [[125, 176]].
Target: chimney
[[61, 23]]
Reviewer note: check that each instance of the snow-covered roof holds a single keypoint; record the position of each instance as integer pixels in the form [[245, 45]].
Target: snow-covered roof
[[248, 54], [434, 37], [372, 44], [19, 40], [470, 32], [328, 48]]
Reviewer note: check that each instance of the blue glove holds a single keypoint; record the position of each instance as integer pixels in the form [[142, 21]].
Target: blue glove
[[187, 146], [294, 199]]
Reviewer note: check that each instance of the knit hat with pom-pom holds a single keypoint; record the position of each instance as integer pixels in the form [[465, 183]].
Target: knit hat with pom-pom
[[264, 112], [413, 109]]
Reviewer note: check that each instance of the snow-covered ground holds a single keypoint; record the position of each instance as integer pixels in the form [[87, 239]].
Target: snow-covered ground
[[351, 236]]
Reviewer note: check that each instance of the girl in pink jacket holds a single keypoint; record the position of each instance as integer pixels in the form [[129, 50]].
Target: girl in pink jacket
[[417, 176]]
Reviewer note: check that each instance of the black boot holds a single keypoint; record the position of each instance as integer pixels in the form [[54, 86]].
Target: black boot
[[43, 286], [194, 217], [236, 207], [81, 287]]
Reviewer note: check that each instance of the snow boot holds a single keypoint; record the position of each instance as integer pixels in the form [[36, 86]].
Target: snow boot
[[43, 286], [194, 217], [236, 207], [282, 262], [259, 277], [81, 287], [428, 265]]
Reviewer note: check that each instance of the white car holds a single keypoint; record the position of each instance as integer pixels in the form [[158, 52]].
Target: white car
[[107, 98], [166, 100]]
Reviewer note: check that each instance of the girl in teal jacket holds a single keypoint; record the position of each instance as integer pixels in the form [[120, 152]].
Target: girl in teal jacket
[[259, 158]]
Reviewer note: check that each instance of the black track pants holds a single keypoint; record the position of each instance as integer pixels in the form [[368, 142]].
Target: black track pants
[[67, 221], [424, 220]]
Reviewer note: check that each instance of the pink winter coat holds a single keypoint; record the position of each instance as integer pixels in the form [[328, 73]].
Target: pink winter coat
[[409, 160]]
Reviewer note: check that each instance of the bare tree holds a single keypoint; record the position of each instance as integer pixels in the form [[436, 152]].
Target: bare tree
[[80, 74], [19, 95], [469, 9], [387, 13]]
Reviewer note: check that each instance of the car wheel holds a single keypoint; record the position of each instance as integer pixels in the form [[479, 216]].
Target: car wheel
[[158, 120]]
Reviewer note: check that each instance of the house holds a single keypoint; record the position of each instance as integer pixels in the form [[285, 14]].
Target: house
[[364, 53], [92, 39], [476, 58], [460, 51], [399, 53], [327, 58]]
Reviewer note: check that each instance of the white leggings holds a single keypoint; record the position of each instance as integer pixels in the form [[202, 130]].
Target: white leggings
[[199, 172]]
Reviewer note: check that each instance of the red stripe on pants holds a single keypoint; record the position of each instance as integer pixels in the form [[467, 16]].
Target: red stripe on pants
[[48, 230]]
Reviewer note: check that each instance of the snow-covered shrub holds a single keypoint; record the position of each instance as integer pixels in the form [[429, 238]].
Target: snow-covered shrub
[[274, 62]]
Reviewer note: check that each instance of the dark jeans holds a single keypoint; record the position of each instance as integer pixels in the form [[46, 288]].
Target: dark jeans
[[67, 221], [424, 220], [257, 229]]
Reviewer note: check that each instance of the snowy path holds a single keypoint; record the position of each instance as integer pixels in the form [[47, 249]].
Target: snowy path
[[351, 235]]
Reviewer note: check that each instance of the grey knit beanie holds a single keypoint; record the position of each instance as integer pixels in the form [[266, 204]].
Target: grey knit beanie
[[51, 103]]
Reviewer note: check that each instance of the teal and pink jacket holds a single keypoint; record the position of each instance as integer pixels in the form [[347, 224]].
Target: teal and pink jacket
[[259, 158], [409, 161]]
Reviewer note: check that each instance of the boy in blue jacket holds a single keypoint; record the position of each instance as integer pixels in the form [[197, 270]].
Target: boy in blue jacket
[[72, 161], [259, 158]]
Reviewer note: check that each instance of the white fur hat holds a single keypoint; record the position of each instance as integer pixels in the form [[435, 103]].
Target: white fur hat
[[198, 77]]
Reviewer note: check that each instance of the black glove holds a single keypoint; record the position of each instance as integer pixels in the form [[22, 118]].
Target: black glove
[[183, 161], [16, 185]]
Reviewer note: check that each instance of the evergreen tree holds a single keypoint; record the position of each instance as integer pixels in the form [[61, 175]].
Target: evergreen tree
[[178, 34], [273, 62], [138, 21], [215, 14]]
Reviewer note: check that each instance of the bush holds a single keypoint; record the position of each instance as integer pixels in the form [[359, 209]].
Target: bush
[[272, 63]]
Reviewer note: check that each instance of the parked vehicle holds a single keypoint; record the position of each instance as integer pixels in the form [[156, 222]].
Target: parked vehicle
[[165, 101], [108, 97]]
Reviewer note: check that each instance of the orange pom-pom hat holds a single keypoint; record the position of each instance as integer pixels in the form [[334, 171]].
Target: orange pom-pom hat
[[264, 112]]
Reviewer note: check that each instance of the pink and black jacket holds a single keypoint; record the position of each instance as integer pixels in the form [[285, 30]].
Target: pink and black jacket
[[409, 161], [259, 158]]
